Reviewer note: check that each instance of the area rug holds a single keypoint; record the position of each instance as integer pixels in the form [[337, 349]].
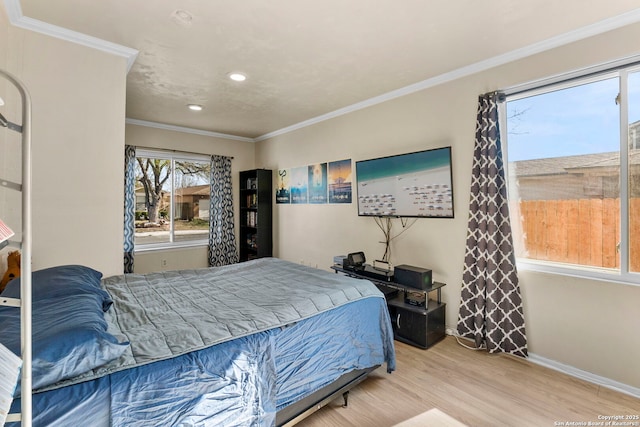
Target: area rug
[[432, 417]]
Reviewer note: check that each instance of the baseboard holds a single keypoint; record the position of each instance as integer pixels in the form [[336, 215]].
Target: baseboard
[[575, 372], [584, 375]]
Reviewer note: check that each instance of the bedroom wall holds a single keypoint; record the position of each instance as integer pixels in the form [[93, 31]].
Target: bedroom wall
[[243, 154], [8, 148], [586, 324], [4, 39], [78, 97]]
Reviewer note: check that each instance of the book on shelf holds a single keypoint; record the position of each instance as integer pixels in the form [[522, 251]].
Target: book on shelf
[[252, 219], [252, 200]]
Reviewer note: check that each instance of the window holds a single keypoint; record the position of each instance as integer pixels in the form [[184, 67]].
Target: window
[[573, 159], [172, 199]]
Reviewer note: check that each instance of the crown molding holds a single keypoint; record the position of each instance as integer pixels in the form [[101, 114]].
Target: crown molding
[[183, 129], [600, 27], [14, 12]]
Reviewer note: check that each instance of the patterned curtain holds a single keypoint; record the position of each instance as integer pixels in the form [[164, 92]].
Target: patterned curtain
[[129, 205], [491, 306], [222, 237]]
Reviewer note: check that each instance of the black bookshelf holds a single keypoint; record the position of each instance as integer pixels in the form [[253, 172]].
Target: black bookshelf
[[256, 239]]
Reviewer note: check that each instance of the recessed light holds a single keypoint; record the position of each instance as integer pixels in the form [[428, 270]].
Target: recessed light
[[238, 77], [195, 107]]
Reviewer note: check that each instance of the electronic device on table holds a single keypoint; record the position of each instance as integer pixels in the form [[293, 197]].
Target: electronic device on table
[[354, 261], [415, 277]]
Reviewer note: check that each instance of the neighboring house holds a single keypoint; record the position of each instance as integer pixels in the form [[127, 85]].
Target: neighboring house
[[563, 178], [583, 194], [588, 176], [190, 202]]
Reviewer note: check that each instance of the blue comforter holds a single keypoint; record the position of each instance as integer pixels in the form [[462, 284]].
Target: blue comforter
[[330, 325]]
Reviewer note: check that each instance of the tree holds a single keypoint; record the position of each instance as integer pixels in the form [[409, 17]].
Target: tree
[[153, 174], [189, 174], [152, 179]]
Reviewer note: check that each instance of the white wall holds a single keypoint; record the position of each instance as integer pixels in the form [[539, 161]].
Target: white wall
[[79, 135], [243, 159], [587, 324], [78, 97], [9, 144]]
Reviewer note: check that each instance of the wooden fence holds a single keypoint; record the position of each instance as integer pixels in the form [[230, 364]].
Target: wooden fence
[[584, 231]]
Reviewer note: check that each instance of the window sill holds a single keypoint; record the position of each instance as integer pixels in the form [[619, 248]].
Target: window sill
[[578, 271], [171, 246]]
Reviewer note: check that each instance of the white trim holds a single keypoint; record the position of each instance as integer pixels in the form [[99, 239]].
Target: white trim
[[603, 26], [568, 370], [579, 271], [187, 130], [159, 153], [584, 375], [14, 11], [155, 247], [625, 177], [565, 81]]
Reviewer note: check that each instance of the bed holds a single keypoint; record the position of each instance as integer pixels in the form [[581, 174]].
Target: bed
[[259, 343]]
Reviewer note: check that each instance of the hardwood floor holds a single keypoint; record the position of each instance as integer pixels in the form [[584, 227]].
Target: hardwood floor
[[475, 388]]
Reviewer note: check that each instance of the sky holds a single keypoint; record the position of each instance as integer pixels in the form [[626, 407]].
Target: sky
[[578, 120]]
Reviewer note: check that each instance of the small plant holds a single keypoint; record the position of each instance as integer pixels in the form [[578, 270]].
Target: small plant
[[141, 215]]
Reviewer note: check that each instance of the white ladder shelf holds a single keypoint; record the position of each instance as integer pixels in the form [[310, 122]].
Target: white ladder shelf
[[24, 303]]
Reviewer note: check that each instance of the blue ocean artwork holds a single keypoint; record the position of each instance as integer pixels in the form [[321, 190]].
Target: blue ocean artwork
[[386, 167]]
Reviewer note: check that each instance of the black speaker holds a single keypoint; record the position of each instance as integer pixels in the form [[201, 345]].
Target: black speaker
[[414, 277]]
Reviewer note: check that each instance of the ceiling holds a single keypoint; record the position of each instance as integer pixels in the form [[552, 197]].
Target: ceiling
[[307, 60]]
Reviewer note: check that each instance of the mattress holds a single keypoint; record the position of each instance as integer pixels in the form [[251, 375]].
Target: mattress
[[294, 330]]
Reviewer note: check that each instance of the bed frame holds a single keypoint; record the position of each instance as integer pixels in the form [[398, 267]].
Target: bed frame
[[296, 412]]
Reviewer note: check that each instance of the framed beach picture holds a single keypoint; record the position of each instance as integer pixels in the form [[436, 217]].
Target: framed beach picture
[[416, 184]]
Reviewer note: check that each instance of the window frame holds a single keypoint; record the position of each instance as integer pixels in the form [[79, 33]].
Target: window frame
[[620, 69], [173, 156]]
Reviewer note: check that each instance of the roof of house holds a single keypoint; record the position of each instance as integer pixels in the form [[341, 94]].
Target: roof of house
[[565, 164], [568, 164], [196, 190]]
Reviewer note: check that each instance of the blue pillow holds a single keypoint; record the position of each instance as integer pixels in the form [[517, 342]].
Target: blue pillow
[[60, 281], [68, 327]]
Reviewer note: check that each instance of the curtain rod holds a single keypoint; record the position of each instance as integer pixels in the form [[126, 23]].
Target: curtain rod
[[575, 75], [178, 151], [500, 96]]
